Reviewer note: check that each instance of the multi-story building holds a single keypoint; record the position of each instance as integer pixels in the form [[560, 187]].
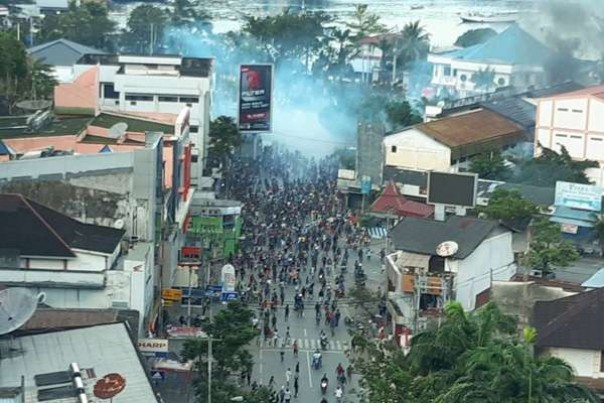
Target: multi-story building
[[422, 279], [575, 121], [151, 86], [447, 144], [514, 58], [75, 265]]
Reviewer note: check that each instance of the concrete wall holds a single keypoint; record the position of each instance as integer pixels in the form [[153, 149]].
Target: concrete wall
[[584, 362], [411, 149], [518, 298], [493, 257], [369, 151]]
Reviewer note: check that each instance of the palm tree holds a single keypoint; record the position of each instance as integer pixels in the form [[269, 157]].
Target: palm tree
[[413, 44], [484, 79], [42, 80]]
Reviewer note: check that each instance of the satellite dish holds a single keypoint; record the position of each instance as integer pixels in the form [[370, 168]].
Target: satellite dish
[[447, 248], [118, 130], [118, 224], [17, 305], [35, 105]]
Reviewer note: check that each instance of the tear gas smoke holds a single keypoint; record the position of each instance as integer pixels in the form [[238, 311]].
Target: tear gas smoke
[[307, 116]]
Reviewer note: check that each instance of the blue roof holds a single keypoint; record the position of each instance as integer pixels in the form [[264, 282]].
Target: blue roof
[[512, 46], [595, 281]]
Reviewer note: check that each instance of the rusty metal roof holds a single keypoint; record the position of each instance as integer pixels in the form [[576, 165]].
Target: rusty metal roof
[[473, 132]]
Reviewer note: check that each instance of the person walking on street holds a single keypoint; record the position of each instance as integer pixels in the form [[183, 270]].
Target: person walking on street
[[298, 368], [296, 386], [286, 312], [282, 353], [271, 382], [288, 396], [296, 348], [282, 394], [288, 376]]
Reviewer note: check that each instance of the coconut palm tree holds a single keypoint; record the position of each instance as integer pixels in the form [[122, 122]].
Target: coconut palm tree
[[484, 79], [413, 44]]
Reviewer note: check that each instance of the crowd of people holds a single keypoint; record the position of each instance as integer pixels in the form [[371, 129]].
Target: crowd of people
[[297, 236]]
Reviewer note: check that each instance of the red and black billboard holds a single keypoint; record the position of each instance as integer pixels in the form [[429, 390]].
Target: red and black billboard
[[255, 97]]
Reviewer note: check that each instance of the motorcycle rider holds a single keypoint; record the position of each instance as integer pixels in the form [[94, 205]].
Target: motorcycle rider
[[324, 383]]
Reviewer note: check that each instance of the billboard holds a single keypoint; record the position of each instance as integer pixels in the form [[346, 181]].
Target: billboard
[[255, 97], [452, 189], [579, 196]]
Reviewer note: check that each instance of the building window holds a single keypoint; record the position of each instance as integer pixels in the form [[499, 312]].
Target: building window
[[575, 137], [562, 109], [189, 100], [139, 97], [193, 129], [577, 111], [596, 139], [561, 135], [447, 71], [501, 81], [109, 91], [393, 149], [168, 98], [194, 158], [463, 78]]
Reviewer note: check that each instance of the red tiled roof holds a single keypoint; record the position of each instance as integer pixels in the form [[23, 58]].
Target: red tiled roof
[[391, 201]]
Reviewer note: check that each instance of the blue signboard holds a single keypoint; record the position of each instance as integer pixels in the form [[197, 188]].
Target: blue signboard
[[365, 184], [229, 296], [579, 196], [214, 288]]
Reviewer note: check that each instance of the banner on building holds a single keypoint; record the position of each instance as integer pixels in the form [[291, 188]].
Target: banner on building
[[255, 97]]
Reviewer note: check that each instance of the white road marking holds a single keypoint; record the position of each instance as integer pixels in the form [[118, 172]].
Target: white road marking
[[260, 367], [305, 335], [309, 369]]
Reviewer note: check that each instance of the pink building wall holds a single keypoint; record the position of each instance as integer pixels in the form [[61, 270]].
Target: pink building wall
[[81, 95]]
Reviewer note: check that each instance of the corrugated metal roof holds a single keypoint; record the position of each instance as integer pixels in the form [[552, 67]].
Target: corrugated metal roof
[[105, 348], [473, 132], [61, 52]]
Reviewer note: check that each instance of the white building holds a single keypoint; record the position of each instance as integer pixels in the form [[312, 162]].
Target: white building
[[570, 328], [75, 265], [420, 281], [447, 144], [153, 86], [515, 57], [574, 120]]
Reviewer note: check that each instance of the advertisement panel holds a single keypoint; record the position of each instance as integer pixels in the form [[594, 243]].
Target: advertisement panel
[[365, 184], [579, 196], [452, 189], [153, 345], [255, 97], [228, 278]]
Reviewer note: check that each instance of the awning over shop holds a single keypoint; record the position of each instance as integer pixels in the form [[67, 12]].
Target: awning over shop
[[573, 217], [414, 260]]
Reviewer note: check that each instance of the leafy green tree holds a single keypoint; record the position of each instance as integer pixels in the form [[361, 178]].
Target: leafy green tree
[[146, 26], [346, 158], [548, 248], [363, 23], [484, 79], [599, 233], [188, 12], [551, 167], [400, 114], [289, 35], [232, 329], [508, 205], [42, 80], [490, 165], [13, 67], [475, 37], [88, 24], [224, 138]]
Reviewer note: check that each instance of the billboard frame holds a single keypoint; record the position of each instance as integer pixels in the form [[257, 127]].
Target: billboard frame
[[272, 90], [470, 174]]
